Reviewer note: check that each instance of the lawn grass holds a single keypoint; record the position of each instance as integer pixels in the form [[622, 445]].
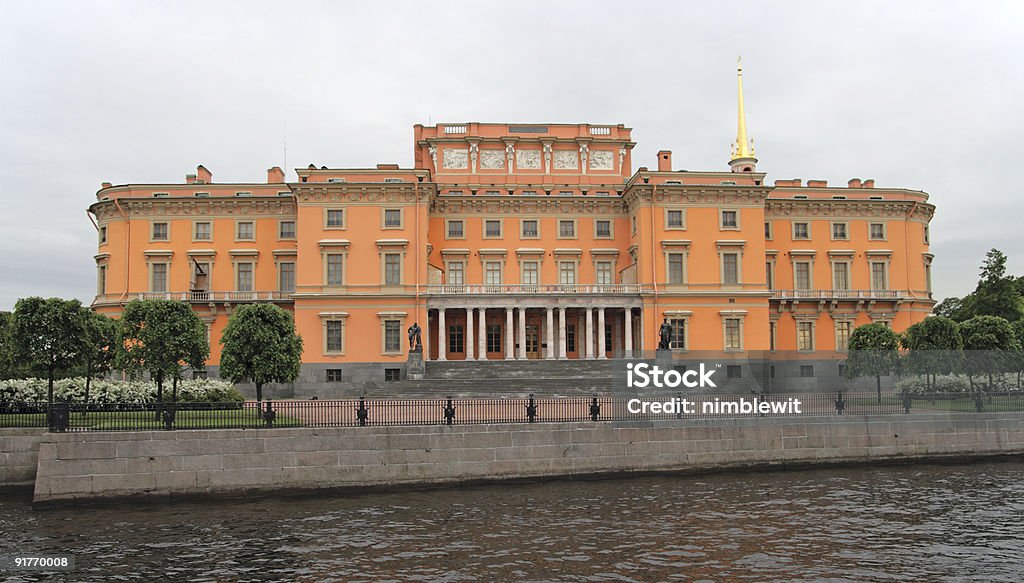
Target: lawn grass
[[143, 420]]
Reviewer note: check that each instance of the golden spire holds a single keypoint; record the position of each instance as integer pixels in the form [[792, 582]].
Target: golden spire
[[743, 148]]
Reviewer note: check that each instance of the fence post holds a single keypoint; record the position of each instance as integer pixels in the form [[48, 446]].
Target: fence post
[[449, 412], [269, 415], [168, 416], [595, 409], [840, 404], [531, 410], [361, 413], [59, 417]]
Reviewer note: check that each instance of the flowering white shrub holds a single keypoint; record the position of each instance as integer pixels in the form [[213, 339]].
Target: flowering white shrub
[[73, 390], [946, 384]]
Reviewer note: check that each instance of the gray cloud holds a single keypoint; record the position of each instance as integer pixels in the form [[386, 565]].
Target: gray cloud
[[918, 95]]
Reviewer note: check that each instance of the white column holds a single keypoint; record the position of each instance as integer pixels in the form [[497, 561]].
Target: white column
[[481, 338], [522, 333], [550, 334], [588, 339], [628, 349], [469, 334], [442, 335], [561, 333], [510, 342], [602, 350]]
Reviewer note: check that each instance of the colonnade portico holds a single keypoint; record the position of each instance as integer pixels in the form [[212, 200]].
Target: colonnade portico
[[514, 329]]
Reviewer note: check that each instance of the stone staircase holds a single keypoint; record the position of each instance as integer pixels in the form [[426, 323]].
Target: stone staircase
[[497, 378]]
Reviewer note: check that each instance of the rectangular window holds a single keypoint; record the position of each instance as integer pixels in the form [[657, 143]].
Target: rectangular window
[[767, 230], [159, 277], [286, 230], [335, 218], [455, 338], [494, 338], [456, 273], [841, 276], [566, 228], [202, 232], [101, 280], [805, 335], [807, 370], [769, 274], [878, 276], [392, 269], [334, 375], [673, 219], [733, 371], [677, 339], [103, 235], [732, 334], [492, 273], [392, 375], [603, 229], [604, 272], [244, 277], [244, 231], [334, 336], [392, 218], [567, 272], [392, 336], [843, 330], [927, 236], [771, 336], [839, 232], [334, 268], [286, 276], [530, 229], [876, 231], [802, 275], [730, 220], [160, 232], [531, 273], [456, 230], [607, 337], [570, 337], [730, 269], [492, 228], [675, 268], [200, 276], [801, 231]]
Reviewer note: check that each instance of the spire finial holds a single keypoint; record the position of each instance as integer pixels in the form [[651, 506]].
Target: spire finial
[[743, 148]]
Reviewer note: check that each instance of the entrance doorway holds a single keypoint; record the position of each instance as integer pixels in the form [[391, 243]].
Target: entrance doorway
[[532, 341]]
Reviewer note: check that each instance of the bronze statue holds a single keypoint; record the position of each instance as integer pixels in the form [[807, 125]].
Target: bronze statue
[[664, 335], [415, 342]]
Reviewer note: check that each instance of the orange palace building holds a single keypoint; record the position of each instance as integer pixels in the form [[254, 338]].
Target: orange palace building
[[523, 241]]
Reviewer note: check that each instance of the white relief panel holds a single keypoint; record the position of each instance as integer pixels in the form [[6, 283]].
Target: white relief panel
[[492, 159], [566, 160], [528, 159], [601, 160], [456, 158]]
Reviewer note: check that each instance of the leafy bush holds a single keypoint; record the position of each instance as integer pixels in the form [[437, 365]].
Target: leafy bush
[[955, 384], [73, 390]]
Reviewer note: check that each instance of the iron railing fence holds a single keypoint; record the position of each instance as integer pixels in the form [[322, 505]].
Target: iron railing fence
[[465, 411]]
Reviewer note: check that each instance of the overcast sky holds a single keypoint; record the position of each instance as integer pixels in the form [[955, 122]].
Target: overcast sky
[[923, 95]]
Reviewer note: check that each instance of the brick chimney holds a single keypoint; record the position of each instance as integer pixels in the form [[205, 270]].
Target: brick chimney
[[106, 185], [190, 179], [665, 161], [854, 183], [869, 183], [817, 183], [275, 175], [387, 166], [203, 176]]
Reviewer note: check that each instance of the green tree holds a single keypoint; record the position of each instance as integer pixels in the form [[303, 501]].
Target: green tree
[[48, 334], [1017, 358], [159, 337], [873, 351], [996, 294], [954, 308], [933, 346], [260, 346], [99, 346], [989, 342], [6, 346]]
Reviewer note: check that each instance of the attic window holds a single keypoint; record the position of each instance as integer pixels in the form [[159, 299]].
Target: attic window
[[393, 180], [728, 183], [202, 194], [839, 197], [875, 197], [284, 193], [243, 194], [335, 180], [674, 182], [161, 194], [800, 196]]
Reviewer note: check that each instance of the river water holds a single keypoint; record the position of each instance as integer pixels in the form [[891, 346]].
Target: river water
[[907, 523]]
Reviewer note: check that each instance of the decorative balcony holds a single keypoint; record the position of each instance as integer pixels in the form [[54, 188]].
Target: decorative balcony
[[202, 297], [540, 289], [837, 294]]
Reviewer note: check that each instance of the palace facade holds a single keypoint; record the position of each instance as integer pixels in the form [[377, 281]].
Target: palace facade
[[523, 241]]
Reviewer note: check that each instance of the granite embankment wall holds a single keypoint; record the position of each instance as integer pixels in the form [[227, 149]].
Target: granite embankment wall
[[231, 462], [19, 455]]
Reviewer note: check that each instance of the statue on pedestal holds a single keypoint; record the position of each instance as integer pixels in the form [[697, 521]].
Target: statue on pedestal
[[664, 335], [415, 342]]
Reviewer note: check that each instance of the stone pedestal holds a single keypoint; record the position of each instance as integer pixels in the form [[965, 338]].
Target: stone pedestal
[[414, 367], [663, 358]]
